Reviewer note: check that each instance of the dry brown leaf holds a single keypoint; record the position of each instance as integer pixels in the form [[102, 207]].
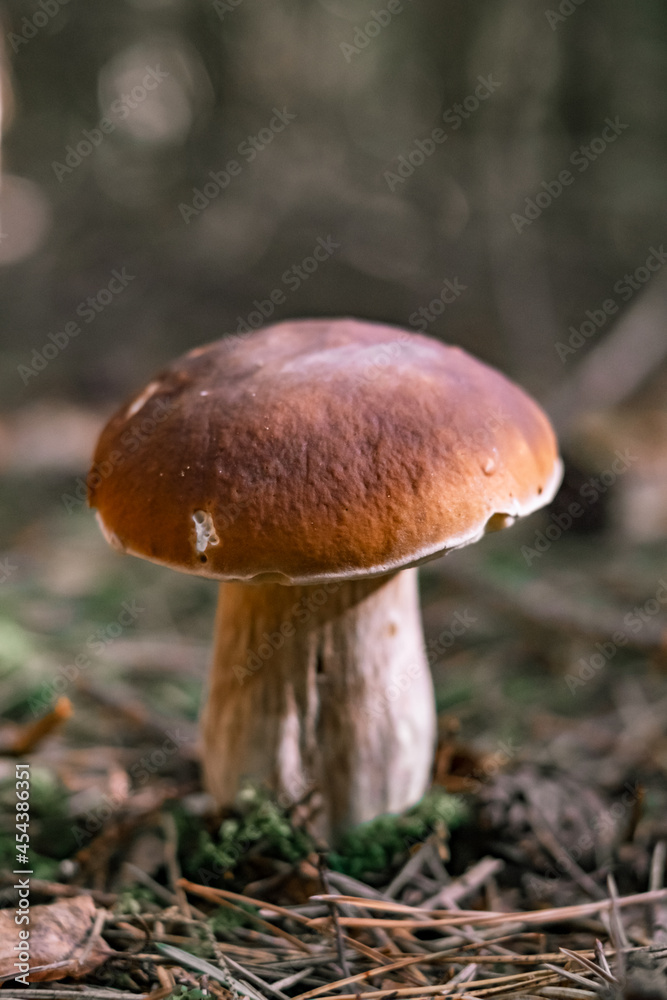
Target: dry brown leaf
[[59, 941]]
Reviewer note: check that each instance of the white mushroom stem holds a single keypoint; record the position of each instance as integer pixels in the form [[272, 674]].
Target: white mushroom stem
[[325, 687]]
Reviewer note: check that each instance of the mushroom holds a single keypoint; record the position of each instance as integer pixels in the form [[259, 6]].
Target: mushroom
[[310, 467]]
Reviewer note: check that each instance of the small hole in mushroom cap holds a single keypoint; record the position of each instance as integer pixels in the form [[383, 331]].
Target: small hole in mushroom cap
[[203, 558], [199, 516]]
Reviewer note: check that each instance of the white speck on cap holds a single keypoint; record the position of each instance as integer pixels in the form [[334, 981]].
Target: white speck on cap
[[205, 529]]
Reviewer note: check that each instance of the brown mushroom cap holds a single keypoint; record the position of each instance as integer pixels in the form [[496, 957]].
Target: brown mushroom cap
[[314, 450]]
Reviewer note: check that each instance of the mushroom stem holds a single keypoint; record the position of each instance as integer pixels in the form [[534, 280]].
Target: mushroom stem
[[322, 686]]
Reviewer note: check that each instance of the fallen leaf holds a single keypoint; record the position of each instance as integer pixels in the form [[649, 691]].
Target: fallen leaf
[[59, 942]]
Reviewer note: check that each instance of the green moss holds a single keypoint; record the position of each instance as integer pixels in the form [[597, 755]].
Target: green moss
[[378, 845], [183, 993], [51, 833], [226, 919], [136, 899], [261, 825]]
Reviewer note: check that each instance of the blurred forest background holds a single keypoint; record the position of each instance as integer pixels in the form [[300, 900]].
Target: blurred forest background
[[426, 143], [228, 66]]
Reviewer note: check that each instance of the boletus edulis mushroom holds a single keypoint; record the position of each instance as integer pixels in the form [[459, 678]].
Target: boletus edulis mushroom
[[310, 467]]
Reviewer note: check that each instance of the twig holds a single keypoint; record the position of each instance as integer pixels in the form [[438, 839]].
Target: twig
[[95, 931], [541, 978], [166, 978], [171, 861], [34, 732], [546, 837], [656, 881], [401, 963], [410, 868], [576, 978], [567, 993], [347, 884], [225, 897], [201, 965], [60, 890], [464, 976], [442, 956], [555, 915], [617, 933], [139, 875], [334, 916], [618, 364], [602, 958], [389, 906], [276, 931], [254, 979], [425, 991], [466, 884], [296, 977], [591, 966], [51, 967]]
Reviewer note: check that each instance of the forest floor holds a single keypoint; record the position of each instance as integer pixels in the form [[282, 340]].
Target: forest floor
[[535, 867]]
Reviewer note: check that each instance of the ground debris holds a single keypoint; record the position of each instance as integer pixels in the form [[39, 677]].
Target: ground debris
[[64, 940]]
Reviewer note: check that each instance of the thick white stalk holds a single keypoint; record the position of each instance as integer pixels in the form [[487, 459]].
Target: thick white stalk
[[322, 686]]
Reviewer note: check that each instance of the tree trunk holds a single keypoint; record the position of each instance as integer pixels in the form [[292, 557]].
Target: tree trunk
[[322, 686]]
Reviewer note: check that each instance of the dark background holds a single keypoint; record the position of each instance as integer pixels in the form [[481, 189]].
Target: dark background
[[356, 113], [229, 65]]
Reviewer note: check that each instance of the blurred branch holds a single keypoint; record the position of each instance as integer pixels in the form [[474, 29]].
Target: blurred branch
[[619, 364]]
